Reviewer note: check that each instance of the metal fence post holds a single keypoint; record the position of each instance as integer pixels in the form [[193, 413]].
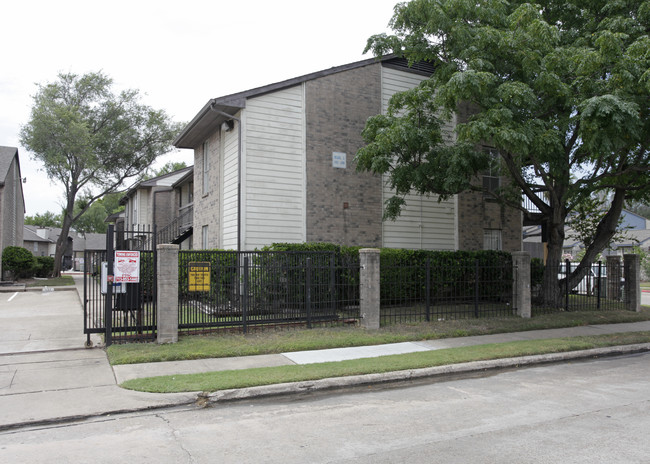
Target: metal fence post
[[632, 274], [599, 283], [566, 284], [108, 306], [427, 289], [333, 297], [244, 296], [476, 278], [308, 292]]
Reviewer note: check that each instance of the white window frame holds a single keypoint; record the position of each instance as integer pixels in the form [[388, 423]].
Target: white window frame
[[492, 239], [204, 237]]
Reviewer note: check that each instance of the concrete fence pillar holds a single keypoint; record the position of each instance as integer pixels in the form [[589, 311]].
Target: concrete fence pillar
[[614, 275], [369, 288], [167, 299], [632, 274], [521, 287]]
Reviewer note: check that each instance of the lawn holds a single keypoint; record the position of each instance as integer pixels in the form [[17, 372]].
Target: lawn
[[214, 381], [279, 341], [50, 282]]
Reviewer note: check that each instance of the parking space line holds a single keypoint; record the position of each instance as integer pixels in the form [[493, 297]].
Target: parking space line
[[13, 296]]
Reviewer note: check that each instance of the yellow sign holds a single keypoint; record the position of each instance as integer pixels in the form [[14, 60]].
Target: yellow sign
[[199, 277]]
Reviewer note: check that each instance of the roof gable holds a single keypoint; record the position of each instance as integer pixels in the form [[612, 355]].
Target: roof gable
[[216, 110]]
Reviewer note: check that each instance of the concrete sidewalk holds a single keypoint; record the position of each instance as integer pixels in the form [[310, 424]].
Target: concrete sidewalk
[[47, 376], [133, 371]]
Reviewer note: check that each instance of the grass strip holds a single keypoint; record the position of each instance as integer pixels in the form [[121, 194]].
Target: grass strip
[[53, 282], [280, 341], [222, 380]]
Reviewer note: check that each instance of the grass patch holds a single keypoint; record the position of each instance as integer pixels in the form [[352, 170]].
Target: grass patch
[[279, 341], [214, 381], [51, 282]]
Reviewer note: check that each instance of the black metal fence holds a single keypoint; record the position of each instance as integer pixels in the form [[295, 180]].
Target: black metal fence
[[596, 291], [258, 289], [125, 311], [413, 292]]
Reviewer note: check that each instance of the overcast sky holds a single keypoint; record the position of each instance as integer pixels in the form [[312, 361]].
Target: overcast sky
[[178, 54]]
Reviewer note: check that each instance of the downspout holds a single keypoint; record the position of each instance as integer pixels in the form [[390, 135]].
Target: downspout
[[230, 116]]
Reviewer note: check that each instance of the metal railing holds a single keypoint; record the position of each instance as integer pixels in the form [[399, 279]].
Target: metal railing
[[177, 227], [426, 292], [256, 289], [595, 291]]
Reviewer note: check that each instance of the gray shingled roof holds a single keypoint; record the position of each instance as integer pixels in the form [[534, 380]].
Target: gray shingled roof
[[7, 155]]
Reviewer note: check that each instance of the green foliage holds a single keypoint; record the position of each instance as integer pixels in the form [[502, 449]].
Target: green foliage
[[588, 213], [536, 272], [561, 90], [47, 219], [93, 219], [90, 139], [43, 266], [223, 274], [19, 260], [168, 168]]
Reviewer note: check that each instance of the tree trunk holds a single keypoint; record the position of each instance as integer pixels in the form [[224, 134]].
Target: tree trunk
[[554, 288], [62, 242], [551, 294]]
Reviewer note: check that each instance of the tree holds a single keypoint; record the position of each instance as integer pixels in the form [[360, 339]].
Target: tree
[[93, 220], [168, 168], [47, 219], [91, 140], [639, 208], [559, 88]]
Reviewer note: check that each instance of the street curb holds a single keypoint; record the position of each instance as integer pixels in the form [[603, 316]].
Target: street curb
[[23, 288], [440, 372], [188, 399]]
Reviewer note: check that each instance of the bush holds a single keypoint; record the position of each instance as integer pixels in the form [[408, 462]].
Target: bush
[[43, 266], [19, 260]]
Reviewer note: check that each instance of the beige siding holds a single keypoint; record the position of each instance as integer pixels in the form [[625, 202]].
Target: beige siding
[[229, 190], [424, 223], [273, 203]]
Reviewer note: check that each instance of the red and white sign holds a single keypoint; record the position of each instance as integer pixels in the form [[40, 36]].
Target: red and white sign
[[126, 267]]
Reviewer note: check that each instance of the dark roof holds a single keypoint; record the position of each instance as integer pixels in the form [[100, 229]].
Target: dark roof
[[166, 180], [206, 120], [30, 235], [7, 155]]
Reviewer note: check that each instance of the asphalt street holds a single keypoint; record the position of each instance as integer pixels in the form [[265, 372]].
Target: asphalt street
[[588, 411]]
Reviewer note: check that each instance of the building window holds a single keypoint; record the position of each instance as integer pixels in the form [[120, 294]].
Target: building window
[[492, 239], [206, 168], [491, 180], [204, 237], [190, 193]]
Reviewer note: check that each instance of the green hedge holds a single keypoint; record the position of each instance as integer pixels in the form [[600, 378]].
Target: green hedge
[[43, 266], [19, 260], [403, 272]]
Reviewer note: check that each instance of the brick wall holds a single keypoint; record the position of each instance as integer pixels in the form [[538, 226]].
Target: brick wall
[[207, 205], [343, 206], [476, 213]]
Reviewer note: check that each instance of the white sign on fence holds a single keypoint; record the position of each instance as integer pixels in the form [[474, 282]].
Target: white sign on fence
[[126, 267]]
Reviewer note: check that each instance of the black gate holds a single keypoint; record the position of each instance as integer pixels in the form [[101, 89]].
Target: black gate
[[121, 311]]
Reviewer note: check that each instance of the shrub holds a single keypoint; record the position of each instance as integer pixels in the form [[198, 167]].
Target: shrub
[[43, 266], [19, 260]]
